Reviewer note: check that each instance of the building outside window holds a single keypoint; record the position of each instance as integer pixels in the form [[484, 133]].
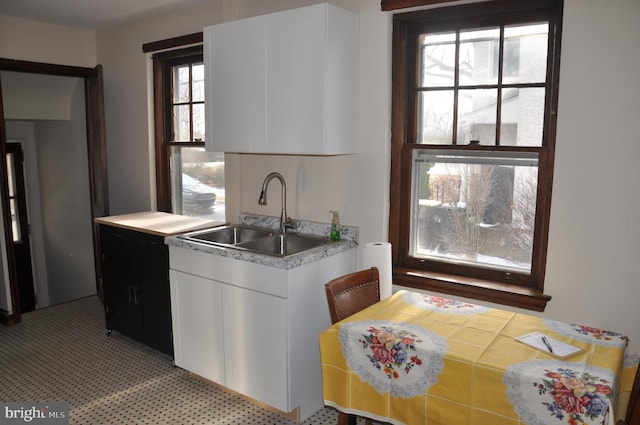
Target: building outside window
[[473, 146]]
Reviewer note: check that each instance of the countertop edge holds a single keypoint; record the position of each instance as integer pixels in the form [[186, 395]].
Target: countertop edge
[[287, 263], [158, 223]]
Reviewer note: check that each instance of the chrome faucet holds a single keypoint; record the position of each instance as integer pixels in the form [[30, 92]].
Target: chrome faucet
[[285, 221]]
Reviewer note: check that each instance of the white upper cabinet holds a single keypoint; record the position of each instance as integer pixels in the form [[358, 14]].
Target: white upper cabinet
[[283, 83]]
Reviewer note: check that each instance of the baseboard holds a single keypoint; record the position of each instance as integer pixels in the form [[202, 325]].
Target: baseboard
[[6, 318]]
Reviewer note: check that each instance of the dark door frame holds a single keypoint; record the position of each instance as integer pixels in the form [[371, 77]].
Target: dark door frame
[[97, 154]]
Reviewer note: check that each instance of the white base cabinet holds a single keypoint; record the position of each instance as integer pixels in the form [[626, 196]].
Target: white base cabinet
[[253, 328], [196, 306], [255, 359]]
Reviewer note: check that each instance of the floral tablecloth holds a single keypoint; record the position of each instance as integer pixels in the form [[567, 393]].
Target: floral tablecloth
[[418, 359]]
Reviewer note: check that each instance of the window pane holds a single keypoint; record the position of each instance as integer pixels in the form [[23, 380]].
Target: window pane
[[438, 60], [181, 123], [13, 202], [435, 117], [10, 175], [477, 116], [197, 180], [15, 220], [474, 208], [522, 117], [181, 84], [198, 83], [525, 55], [198, 121], [476, 56]]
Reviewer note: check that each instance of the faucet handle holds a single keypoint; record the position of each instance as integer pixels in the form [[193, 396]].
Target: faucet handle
[[290, 223]]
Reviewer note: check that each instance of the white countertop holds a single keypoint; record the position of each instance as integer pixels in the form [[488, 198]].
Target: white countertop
[[158, 223]]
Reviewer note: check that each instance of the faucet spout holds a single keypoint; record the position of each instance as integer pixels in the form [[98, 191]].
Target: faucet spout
[[285, 221]]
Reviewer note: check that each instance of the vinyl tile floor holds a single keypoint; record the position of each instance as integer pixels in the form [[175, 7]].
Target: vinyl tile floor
[[62, 354]]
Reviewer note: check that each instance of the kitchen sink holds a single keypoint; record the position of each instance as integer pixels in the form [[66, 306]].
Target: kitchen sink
[[282, 245], [258, 240], [228, 235]]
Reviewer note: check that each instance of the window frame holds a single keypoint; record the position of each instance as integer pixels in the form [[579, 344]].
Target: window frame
[[479, 283], [163, 62]]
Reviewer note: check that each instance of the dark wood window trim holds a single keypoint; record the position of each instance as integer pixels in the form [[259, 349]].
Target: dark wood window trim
[[528, 295], [403, 4], [162, 148], [172, 43], [163, 127]]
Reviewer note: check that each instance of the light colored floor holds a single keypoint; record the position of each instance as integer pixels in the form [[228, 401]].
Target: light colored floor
[[62, 354]]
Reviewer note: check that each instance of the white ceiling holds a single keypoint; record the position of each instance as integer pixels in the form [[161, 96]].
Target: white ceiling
[[89, 14]]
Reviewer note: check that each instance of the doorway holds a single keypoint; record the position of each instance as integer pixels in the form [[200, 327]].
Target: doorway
[[20, 234], [96, 174]]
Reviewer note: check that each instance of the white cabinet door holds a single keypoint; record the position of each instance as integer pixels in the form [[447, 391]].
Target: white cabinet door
[[196, 310], [256, 350], [296, 63], [234, 56]]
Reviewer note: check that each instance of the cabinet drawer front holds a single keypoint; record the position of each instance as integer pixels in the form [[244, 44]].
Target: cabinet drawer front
[[244, 274]]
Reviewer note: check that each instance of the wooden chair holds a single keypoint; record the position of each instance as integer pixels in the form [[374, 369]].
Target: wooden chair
[[633, 409], [348, 295], [353, 292]]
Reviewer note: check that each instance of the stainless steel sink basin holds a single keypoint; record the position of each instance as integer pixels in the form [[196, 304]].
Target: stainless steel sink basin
[[258, 240], [228, 235], [282, 245]]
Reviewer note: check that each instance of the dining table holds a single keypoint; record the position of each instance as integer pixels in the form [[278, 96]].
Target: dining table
[[417, 358]]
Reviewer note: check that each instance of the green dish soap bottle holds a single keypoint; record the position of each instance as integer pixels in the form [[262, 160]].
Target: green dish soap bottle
[[335, 226]]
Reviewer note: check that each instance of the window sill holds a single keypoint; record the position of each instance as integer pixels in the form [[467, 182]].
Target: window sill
[[494, 292]]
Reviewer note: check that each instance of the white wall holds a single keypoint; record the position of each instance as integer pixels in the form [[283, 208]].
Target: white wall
[[593, 237], [64, 183], [127, 95], [37, 96], [33, 41]]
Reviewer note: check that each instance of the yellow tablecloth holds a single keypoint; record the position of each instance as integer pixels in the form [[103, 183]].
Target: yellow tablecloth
[[419, 359]]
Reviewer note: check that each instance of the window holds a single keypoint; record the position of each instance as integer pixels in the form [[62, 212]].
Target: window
[[14, 201], [473, 133], [189, 180]]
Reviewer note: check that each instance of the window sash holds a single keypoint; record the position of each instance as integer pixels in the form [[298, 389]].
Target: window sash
[[486, 157], [474, 208]]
